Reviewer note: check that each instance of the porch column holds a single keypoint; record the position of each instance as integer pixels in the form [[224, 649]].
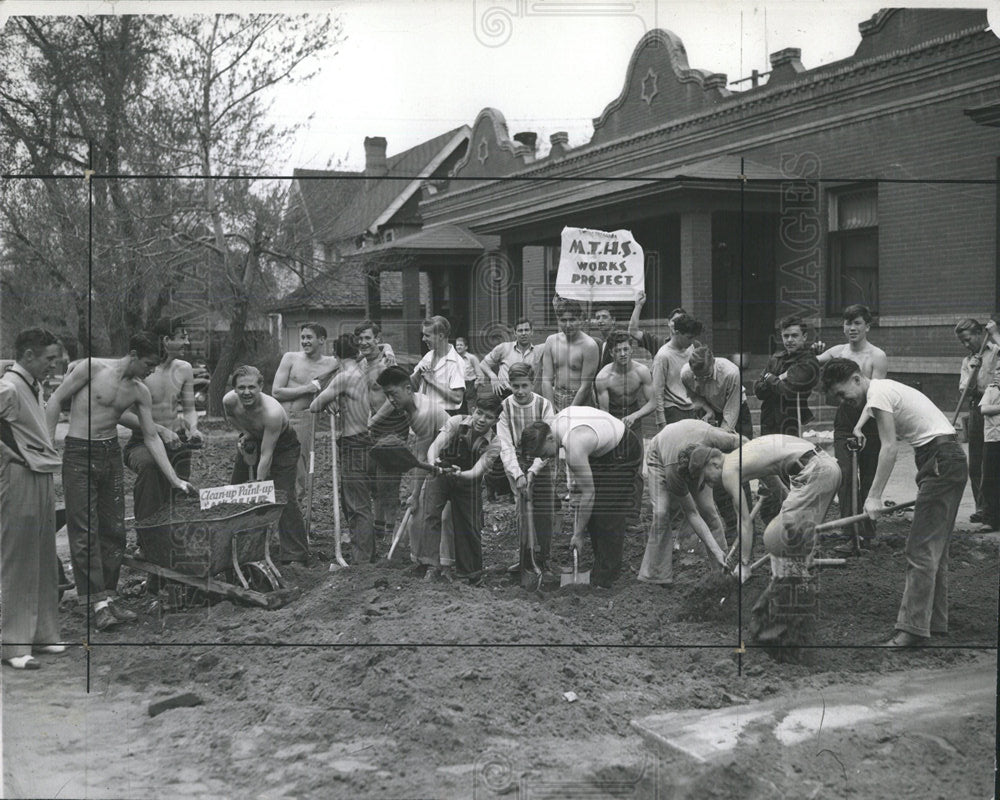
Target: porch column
[[411, 309], [373, 295], [696, 268]]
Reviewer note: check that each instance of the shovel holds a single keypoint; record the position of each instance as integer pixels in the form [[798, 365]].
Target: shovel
[[530, 578], [392, 455], [403, 524], [309, 478], [575, 577], [338, 554]]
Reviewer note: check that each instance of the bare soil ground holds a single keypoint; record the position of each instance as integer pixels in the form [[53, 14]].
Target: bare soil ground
[[378, 684]]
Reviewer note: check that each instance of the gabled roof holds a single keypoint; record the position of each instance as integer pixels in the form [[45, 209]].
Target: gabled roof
[[342, 287], [342, 205], [446, 239]]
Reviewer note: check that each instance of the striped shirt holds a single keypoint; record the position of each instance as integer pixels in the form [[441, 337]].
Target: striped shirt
[[514, 418]]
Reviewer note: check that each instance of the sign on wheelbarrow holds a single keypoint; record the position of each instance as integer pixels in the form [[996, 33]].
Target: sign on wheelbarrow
[[258, 492]]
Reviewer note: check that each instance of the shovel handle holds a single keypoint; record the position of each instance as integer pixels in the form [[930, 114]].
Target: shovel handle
[[834, 524], [399, 532], [529, 521], [973, 377]]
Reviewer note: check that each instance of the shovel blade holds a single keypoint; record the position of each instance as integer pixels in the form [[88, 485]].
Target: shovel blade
[[574, 579]]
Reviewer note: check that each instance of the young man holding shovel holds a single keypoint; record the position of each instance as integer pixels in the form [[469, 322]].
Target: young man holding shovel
[[425, 418], [903, 412], [518, 411], [349, 390], [873, 364], [464, 449], [603, 456], [268, 449], [299, 378]]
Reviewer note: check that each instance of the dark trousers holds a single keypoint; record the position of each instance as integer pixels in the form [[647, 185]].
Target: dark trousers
[[545, 507], [284, 467], [941, 475], [357, 494], [386, 485], [614, 487], [466, 515], [94, 489], [152, 490], [843, 428], [976, 449], [991, 484]]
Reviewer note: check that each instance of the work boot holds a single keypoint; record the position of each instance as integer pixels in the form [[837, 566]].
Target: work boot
[[121, 613], [104, 618]]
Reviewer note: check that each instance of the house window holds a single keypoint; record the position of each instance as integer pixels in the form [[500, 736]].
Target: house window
[[854, 248], [388, 235]]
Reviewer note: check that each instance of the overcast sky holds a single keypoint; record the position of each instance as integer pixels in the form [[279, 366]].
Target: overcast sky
[[411, 69]]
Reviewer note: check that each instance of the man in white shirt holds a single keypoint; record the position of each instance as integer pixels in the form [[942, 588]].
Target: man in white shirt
[[902, 412], [496, 365], [440, 374]]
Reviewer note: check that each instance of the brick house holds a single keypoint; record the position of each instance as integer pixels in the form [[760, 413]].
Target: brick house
[[345, 226], [871, 179]]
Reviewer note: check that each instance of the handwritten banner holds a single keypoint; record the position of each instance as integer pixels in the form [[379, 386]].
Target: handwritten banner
[[259, 492], [600, 265]]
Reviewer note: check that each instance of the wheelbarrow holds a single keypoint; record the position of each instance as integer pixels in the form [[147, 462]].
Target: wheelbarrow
[[181, 543]]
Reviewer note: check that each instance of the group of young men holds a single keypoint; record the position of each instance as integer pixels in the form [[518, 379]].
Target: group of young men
[[592, 397]]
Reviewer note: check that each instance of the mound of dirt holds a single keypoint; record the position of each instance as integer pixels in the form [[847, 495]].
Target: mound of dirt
[[378, 684]]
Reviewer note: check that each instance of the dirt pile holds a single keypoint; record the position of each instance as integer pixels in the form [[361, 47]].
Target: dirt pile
[[378, 684]]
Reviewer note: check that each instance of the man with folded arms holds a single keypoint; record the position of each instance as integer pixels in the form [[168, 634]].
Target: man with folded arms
[[28, 460]]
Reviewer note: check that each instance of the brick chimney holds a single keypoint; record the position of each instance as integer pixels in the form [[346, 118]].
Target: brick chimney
[[375, 164], [527, 138], [559, 141]]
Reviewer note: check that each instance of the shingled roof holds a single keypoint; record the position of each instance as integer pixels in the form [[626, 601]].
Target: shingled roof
[[343, 288], [340, 205]]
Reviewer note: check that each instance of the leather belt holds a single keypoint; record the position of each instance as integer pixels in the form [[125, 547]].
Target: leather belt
[[944, 438], [800, 463]]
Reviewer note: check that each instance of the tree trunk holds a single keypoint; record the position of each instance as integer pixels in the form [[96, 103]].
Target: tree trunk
[[233, 345]]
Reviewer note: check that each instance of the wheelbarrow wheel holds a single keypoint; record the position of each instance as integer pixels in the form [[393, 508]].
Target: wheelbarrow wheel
[[260, 578]]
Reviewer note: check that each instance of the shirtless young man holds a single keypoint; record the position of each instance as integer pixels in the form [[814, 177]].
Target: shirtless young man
[[172, 380], [625, 387], [874, 364], [299, 378], [267, 450], [813, 477], [570, 360], [349, 390], [102, 389]]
